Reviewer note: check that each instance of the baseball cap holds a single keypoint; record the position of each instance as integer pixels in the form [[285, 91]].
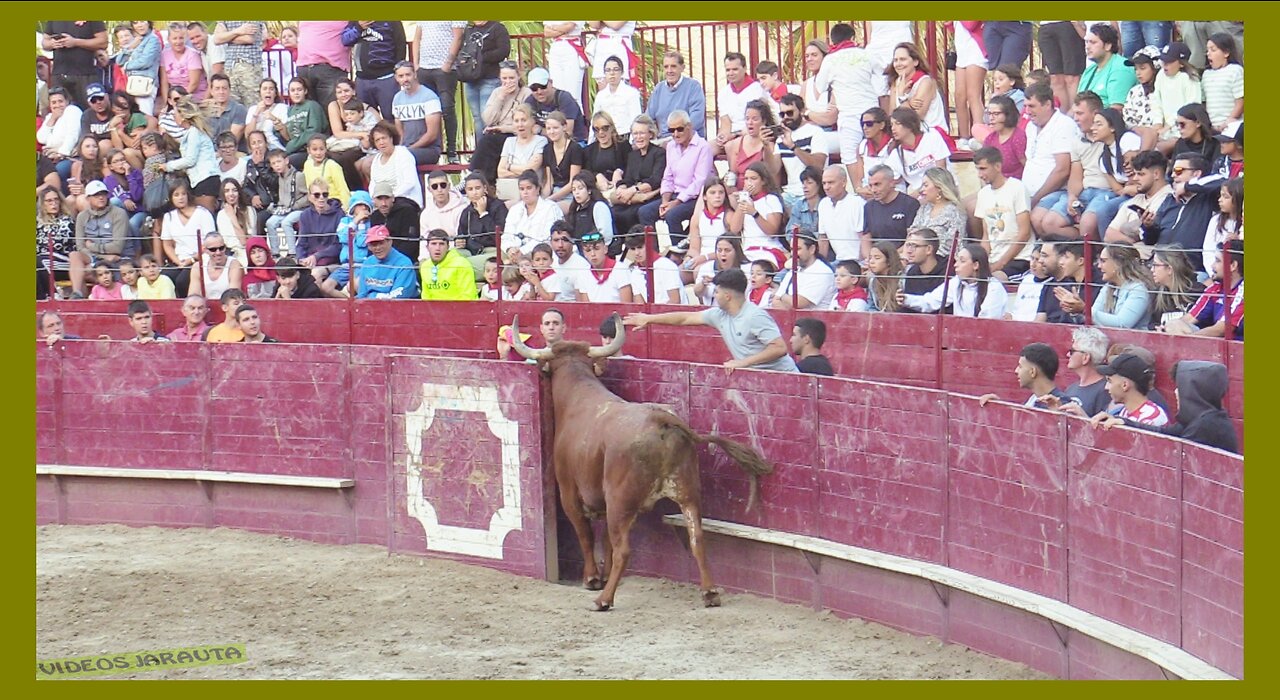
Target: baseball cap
[[95, 90], [1233, 131], [95, 187], [539, 76], [1146, 54], [1129, 366], [591, 237], [377, 233], [383, 189], [1175, 51], [504, 333]]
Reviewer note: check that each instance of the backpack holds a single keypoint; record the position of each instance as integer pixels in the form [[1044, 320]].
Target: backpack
[[468, 64]]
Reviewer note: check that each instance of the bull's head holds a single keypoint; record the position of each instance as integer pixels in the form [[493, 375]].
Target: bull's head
[[545, 354]]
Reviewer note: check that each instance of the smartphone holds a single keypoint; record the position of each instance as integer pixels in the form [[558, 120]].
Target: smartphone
[[1137, 208]]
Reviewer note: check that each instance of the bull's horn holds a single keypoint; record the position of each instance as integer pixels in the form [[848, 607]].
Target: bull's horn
[[615, 345], [518, 345]]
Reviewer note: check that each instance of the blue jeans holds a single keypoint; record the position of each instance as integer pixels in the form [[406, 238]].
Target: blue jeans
[[1135, 35], [134, 244], [1007, 42], [1091, 197], [288, 237], [477, 93], [1105, 207]]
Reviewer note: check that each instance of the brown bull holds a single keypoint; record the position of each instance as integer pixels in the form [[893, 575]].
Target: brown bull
[[616, 458]]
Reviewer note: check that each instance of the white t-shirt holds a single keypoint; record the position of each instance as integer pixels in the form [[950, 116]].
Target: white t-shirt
[[842, 222], [1024, 304], [520, 154], [817, 284], [214, 53], [855, 79], [257, 119], [734, 104], [999, 210], [187, 236], [666, 277], [623, 106], [608, 290], [1057, 136], [752, 235], [887, 156], [525, 230], [565, 280], [809, 137], [930, 151], [1129, 142]]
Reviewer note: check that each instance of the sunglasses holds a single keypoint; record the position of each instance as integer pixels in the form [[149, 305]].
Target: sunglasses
[[601, 129], [98, 98], [439, 185], [537, 87], [319, 194], [869, 124], [1073, 350], [1178, 170], [217, 249], [678, 129], [788, 113]]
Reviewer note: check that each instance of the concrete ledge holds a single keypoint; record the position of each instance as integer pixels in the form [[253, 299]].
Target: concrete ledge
[[315, 482], [1165, 655]]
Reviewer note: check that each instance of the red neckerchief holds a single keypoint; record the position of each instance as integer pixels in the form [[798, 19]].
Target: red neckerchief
[[608, 270], [778, 92], [712, 217], [913, 146], [757, 294], [877, 148], [911, 82], [844, 297], [745, 83], [762, 195], [545, 274], [843, 45], [492, 287]]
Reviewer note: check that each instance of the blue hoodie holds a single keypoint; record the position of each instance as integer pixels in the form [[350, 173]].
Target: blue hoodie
[[396, 277], [317, 233], [344, 229]]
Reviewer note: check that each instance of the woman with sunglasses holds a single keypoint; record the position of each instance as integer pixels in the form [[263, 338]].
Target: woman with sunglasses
[[875, 149], [1195, 134], [499, 120], [606, 156]]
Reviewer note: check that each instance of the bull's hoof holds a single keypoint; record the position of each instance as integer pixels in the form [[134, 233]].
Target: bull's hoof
[[601, 606], [593, 583], [711, 599]]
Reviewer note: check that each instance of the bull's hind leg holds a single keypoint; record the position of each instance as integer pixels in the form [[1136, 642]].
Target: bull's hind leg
[[693, 521], [619, 534], [572, 505]]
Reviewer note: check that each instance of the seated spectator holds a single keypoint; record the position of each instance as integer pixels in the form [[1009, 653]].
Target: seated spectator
[[1149, 188], [1062, 298], [941, 210], [259, 281], [1007, 82], [129, 280], [1107, 74], [167, 119], [821, 108], [1206, 317], [616, 97], [1200, 417], [446, 274], [1119, 146], [320, 167], [605, 281], [761, 284], [642, 178], [688, 165], [219, 271], [229, 330], [911, 86], [756, 144], [101, 229], [541, 278], [350, 140], [919, 148], [1007, 136], [386, 273], [545, 98], [1195, 134], [236, 220], [193, 328], [1228, 223], [851, 290], [731, 101], [757, 214], [814, 287], [105, 287], [444, 209], [1129, 379], [876, 148], [1184, 217], [59, 133], [884, 278], [1002, 214], [804, 209], [152, 284], [606, 156], [1223, 81], [56, 244], [140, 320], [498, 115], [729, 255], [393, 164], [128, 125], [888, 215], [491, 289], [400, 215], [96, 120], [231, 165], [529, 221], [1124, 300], [260, 181], [676, 92], [587, 210], [1037, 366], [290, 198], [807, 339], [1174, 288], [707, 225], [1230, 163], [294, 281], [1050, 138], [1139, 110], [770, 78], [926, 269], [86, 166], [668, 283], [251, 325], [562, 159], [352, 248], [317, 248], [971, 292], [524, 152], [1177, 86], [480, 220], [1025, 302], [269, 115], [632, 260], [566, 263], [1059, 212], [418, 116]]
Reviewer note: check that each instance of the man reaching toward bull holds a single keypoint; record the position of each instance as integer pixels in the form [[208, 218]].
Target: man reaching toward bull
[[751, 334]]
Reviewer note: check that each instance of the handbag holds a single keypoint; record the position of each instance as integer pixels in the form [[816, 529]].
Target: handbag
[[140, 86], [952, 59], [155, 196]]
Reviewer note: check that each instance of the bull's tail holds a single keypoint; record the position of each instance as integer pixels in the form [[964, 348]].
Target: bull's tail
[[747, 458]]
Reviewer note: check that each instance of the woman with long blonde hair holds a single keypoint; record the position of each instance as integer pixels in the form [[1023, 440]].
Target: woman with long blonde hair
[[941, 208], [1124, 299], [1174, 288], [198, 158]]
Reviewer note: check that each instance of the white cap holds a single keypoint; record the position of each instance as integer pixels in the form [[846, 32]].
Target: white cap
[[95, 187], [539, 76]]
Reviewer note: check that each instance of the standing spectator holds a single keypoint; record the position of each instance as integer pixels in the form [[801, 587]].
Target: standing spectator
[[444, 208], [1207, 316], [876, 149], [842, 235], [1200, 418], [492, 43], [1174, 288], [545, 98], [613, 40], [322, 58], [815, 285], [181, 65], [941, 210], [212, 56], [913, 87], [926, 268], [1007, 136], [435, 51], [198, 159], [1050, 137], [418, 118], [1062, 48], [821, 109], [140, 61], [1129, 380], [1136, 35], [852, 76], [1197, 35], [676, 92], [971, 73], [1037, 366], [731, 104], [918, 148], [393, 164], [242, 42], [73, 44], [1124, 300], [446, 274], [807, 339], [688, 165], [972, 292], [386, 273], [1007, 43], [1184, 217], [1223, 81], [616, 98], [379, 46], [182, 230], [1108, 76], [566, 58]]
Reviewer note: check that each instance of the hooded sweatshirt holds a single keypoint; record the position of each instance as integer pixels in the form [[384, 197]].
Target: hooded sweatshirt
[[317, 233], [444, 218], [259, 282], [345, 229], [391, 278], [1201, 419]]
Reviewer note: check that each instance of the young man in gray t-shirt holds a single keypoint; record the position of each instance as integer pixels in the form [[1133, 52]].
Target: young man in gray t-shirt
[[750, 333]]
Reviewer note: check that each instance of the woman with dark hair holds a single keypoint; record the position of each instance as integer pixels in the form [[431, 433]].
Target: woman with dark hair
[[269, 114], [758, 143], [757, 214], [529, 221], [918, 148], [1223, 81], [1174, 289], [56, 245], [708, 222], [804, 212], [392, 164], [124, 184], [616, 97], [1125, 297], [479, 221], [910, 85], [820, 109], [971, 292], [348, 145], [606, 156], [728, 253], [306, 119], [182, 233], [885, 280], [875, 148], [198, 158], [1228, 223], [86, 166], [237, 221], [166, 119], [1007, 135], [642, 178], [128, 125], [1118, 146], [1195, 135], [588, 211]]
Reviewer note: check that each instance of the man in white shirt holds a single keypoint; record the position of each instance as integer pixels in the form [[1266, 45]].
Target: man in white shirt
[[800, 144], [566, 262], [1050, 135], [856, 84], [1002, 210], [740, 89], [817, 282], [212, 55], [839, 217], [605, 281]]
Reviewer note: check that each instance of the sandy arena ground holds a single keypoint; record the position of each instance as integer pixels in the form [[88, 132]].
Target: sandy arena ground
[[305, 610]]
